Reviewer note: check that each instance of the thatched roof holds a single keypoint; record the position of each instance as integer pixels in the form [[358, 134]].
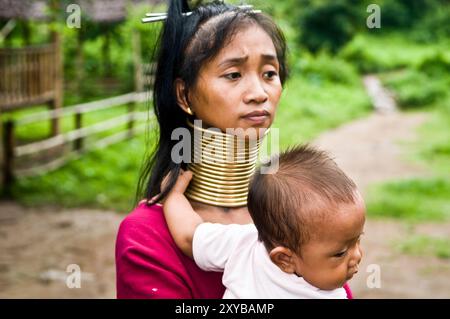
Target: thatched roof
[[106, 11], [23, 9]]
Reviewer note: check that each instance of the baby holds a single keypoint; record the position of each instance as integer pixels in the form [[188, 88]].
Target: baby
[[305, 241]]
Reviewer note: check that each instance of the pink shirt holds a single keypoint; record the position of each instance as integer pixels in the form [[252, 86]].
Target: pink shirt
[[150, 265]]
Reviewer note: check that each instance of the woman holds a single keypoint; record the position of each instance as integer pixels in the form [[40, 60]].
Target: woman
[[225, 66]]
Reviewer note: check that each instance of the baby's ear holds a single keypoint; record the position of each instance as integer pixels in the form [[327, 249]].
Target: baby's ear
[[284, 258]]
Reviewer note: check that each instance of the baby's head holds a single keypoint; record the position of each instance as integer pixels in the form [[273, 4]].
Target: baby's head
[[310, 217]]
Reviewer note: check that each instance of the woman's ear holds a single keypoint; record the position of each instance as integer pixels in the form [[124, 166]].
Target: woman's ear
[[284, 258], [180, 88]]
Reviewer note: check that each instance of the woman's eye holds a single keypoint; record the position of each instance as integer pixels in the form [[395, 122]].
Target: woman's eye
[[233, 76], [270, 74], [341, 254]]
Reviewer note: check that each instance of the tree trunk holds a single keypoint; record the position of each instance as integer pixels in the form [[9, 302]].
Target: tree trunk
[[79, 63], [106, 54]]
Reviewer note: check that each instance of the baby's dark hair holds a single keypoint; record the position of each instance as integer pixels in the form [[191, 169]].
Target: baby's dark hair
[[287, 204]]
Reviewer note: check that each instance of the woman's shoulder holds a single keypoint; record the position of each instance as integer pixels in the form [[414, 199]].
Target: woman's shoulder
[[143, 212], [143, 223], [144, 238]]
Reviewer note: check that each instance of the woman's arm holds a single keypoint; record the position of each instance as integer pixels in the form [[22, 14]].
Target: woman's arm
[[181, 218]]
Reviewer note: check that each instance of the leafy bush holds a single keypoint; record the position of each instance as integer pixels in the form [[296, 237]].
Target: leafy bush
[[403, 14], [327, 25], [415, 89], [436, 65], [358, 53], [325, 68], [99, 79], [424, 84]]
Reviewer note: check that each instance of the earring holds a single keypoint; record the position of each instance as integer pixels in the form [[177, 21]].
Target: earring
[[189, 111]]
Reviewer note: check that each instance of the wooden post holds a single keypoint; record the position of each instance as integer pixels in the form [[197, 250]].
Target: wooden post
[[106, 56], [8, 163], [58, 82], [78, 143], [58, 76], [26, 32], [79, 62], [131, 108]]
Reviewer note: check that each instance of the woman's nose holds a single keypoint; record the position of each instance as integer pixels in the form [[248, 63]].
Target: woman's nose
[[255, 92]]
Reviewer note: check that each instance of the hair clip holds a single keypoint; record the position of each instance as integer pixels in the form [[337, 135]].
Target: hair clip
[[154, 17]]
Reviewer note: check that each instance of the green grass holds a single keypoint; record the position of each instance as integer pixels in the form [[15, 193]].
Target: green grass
[[104, 178], [421, 245], [412, 200], [434, 143]]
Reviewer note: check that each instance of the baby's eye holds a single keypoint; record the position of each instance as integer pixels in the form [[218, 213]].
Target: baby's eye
[[233, 76], [340, 254]]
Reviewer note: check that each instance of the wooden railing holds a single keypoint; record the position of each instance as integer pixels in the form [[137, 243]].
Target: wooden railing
[[28, 76], [135, 122]]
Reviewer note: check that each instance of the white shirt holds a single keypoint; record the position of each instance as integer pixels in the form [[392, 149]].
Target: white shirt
[[248, 272]]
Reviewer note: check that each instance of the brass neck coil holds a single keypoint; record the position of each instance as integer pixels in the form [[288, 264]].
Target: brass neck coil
[[222, 166]]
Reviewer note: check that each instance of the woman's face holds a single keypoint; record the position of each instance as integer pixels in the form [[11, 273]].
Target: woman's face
[[240, 87]]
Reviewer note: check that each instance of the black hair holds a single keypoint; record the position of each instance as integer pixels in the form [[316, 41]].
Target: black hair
[[181, 54]]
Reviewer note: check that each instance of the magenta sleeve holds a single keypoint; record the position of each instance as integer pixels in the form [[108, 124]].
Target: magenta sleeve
[[150, 265]]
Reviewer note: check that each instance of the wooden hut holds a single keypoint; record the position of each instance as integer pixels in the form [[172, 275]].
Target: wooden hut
[[30, 75]]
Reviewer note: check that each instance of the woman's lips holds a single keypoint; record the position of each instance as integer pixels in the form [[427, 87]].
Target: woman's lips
[[257, 117]]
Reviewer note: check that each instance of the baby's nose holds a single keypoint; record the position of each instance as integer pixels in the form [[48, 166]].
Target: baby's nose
[[356, 258]]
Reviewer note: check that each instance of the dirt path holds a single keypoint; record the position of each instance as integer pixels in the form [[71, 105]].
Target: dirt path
[[36, 246], [368, 148]]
